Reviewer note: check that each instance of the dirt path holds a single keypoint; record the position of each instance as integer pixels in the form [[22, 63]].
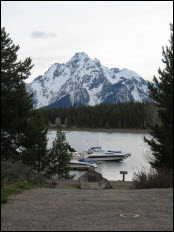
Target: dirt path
[[69, 209]]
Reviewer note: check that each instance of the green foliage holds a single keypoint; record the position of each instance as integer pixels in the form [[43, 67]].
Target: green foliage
[[17, 177], [120, 115], [12, 172], [151, 114], [35, 153], [4, 197], [59, 157], [15, 188], [23, 132], [15, 103], [161, 91]]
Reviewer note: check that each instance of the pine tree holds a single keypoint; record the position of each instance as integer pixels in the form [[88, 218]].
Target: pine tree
[[15, 103], [161, 91], [35, 152], [59, 157]]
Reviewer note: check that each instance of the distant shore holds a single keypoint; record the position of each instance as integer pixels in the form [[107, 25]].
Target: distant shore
[[122, 130]]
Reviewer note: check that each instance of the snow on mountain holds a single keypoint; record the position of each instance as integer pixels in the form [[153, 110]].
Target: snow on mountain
[[83, 81]]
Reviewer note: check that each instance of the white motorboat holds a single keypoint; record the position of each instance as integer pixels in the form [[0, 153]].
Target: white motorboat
[[81, 164], [98, 154]]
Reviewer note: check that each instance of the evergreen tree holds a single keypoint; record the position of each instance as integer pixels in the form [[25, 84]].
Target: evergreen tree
[[59, 157], [161, 91], [35, 152], [15, 103]]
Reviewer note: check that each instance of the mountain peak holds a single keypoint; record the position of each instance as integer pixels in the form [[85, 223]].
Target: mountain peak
[[96, 60], [84, 81], [80, 55]]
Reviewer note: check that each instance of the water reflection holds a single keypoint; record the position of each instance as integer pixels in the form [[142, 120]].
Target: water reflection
[[127, 142]]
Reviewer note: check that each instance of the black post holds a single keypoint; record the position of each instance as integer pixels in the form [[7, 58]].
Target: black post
[[123, 172], [123, 177]]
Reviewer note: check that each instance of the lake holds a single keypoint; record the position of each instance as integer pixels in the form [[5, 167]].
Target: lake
[[132, 143]]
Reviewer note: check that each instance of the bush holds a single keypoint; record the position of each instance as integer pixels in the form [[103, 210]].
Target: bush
[[18, 177], [4, 198], [19, 171], [153, 179], [5, 167], [37, 179], [15, 171]]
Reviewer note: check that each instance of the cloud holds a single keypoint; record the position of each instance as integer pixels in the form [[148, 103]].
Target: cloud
[[123, 34], [42, 35]]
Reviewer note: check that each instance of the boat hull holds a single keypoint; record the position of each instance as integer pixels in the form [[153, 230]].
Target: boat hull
[[80, 168], [105, 158], [97, 154], [81, 164]]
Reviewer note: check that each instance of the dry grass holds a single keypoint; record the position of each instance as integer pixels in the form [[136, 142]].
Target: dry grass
[[152, 179]]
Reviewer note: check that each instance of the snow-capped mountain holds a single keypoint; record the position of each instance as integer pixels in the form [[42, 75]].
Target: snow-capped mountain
[[83, 81]]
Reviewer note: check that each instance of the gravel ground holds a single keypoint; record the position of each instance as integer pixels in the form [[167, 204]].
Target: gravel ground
[[66, 208]]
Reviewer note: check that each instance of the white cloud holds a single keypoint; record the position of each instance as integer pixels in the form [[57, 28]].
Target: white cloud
[[123, 34], [42, 34]]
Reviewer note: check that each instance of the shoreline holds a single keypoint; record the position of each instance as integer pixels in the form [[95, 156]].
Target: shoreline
[[101, 130], [74, 184]]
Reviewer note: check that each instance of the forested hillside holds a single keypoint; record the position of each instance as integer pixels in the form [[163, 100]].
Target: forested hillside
[[121, 115]]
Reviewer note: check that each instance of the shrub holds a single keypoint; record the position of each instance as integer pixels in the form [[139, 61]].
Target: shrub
[[4, 198], [38, 178], [18, 177], [153, 179], [5, 167], [19, 171], [15, 171]]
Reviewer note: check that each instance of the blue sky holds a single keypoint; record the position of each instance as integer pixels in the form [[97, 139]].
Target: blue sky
[[122, 34]]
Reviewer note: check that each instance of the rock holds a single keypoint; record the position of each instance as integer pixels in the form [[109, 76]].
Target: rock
[[93, 180]]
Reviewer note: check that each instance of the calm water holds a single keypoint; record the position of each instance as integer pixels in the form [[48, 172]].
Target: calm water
[[127, 142]]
